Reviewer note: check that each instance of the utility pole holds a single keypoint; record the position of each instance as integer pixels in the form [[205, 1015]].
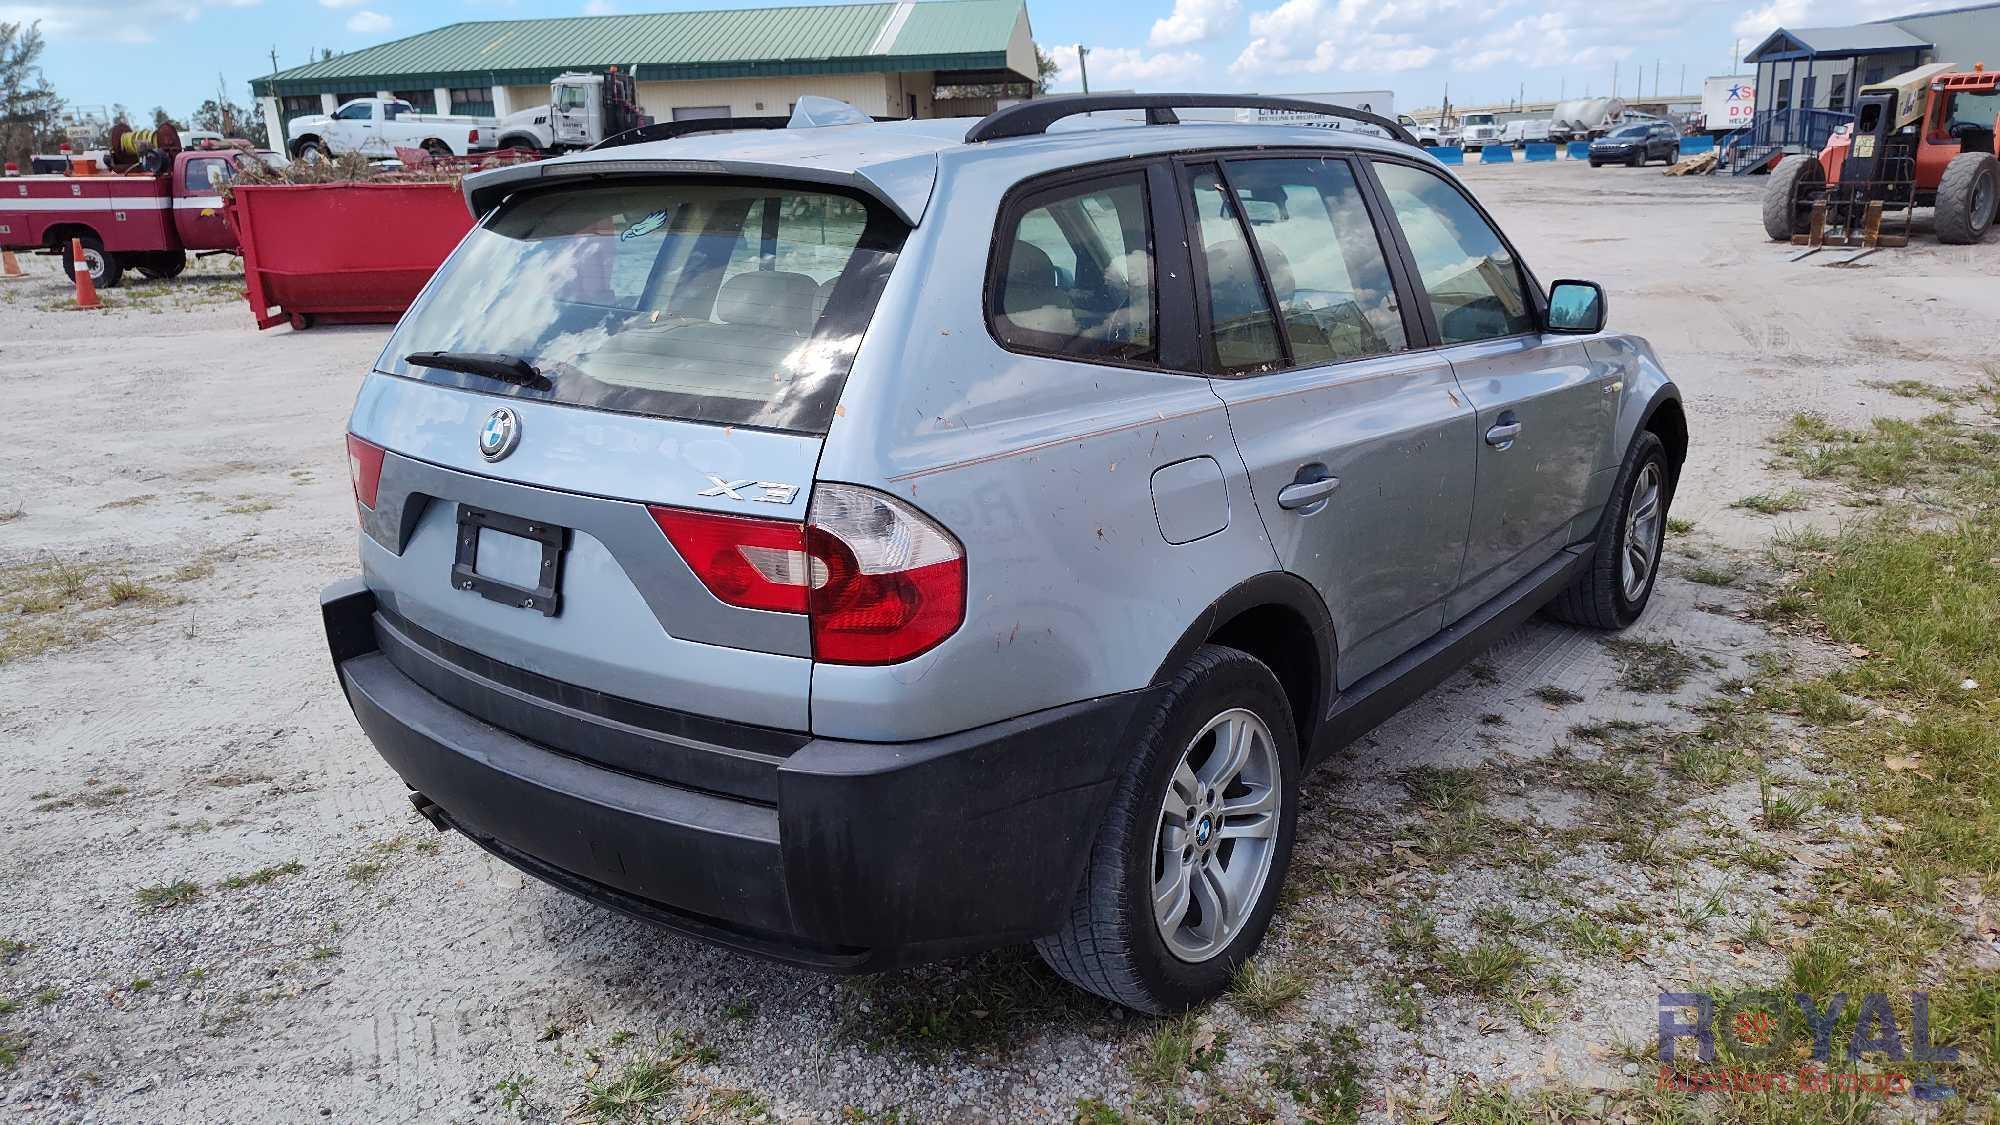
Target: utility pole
[[274, 58], [1082, 65]]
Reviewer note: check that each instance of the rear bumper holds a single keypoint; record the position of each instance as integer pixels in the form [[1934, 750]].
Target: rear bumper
[[869, 856]]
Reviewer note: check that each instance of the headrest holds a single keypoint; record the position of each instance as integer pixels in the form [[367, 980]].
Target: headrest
[[1032, 281], [771, 298]]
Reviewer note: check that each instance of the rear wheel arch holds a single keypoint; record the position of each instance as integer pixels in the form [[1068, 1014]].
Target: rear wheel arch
[[1280, 619], [520, 140], [57, 237]]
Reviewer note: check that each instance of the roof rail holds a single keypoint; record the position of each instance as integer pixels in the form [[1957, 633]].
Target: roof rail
[[1033, 117]]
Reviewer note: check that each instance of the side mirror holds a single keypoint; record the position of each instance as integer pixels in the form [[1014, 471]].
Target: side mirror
[[1576, 307]]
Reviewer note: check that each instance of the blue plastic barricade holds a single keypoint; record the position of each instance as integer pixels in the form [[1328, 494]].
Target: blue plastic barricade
[[1538, 151], [1497, 154]]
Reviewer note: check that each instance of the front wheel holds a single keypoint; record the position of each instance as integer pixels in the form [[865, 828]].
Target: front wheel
[[1788, 197], [1613, 590], [1184, 874], [164, 265]]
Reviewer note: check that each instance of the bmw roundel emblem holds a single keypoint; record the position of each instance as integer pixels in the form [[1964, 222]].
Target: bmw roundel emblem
[[500, 435]]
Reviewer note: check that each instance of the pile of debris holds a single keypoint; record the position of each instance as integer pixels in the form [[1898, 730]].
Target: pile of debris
[[1700, 164]]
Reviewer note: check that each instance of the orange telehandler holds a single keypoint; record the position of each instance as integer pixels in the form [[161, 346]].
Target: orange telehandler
[[1924, 138]]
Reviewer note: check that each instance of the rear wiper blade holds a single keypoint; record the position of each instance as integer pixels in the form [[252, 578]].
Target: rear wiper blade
[[493, 365]]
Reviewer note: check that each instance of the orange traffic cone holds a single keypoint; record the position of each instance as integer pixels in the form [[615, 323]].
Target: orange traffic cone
[[86, 290], [9, 265]]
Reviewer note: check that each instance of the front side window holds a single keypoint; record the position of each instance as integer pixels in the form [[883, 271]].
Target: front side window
[[1471, 279], [205, 177], [570, 97], [1074, 273], [355, 111], [1326, 266], [712, 302]]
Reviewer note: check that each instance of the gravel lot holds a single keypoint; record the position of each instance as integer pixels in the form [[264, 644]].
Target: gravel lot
[[218, 905]]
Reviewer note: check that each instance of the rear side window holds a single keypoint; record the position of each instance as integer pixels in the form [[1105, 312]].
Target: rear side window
[[1473, 283], [708, 301], [1073, 273], [1321, 255], [1244, 333]]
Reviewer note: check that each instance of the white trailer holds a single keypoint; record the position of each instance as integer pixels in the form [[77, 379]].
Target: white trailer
[[1728, 102], [1381, 103]]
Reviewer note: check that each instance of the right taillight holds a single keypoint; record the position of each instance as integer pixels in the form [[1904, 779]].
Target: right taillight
[[879, 581], [364, 468]]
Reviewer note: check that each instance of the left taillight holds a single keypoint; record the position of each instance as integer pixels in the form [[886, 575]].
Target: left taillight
[[364, 468], [879, 581]]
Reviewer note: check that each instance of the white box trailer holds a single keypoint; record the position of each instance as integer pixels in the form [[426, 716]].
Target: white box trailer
[[1381, 103], [1728, 102]]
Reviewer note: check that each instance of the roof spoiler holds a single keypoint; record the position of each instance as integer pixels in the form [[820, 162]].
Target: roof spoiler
[[1033, 117]]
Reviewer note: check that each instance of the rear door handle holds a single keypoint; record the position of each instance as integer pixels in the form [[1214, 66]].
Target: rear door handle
[[1305, 493], [1503, 435]]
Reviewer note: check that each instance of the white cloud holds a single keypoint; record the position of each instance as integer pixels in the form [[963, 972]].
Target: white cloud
[[341, 3], [120, 21], [599, 8], [369, 22], [1316, 36], [1759, 22], [1193, 21], [1126, 66]]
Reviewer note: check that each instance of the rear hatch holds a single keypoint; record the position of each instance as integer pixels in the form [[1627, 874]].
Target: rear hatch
[[599, 373]]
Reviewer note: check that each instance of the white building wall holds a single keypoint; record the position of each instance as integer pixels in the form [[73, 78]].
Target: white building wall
[[274, 123], [770, 97]]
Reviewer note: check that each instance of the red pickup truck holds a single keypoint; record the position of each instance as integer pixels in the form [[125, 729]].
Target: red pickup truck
[[145, 221]]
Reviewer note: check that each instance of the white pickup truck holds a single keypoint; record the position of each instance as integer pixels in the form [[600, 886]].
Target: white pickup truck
[[379, 126]]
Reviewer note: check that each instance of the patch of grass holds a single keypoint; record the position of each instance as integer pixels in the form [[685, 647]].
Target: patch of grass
[[634, 1092], [1712, 576], [129, 502], [983, 1003], [1482, 672], [1436, 789], [194, 571], [1264, 988], [1556, 695], [250, 506], [166, 896], [1917, 388], [1651, 666], [11, 513], [1178, 1044], [366, 870], [1486, 968], [91, 796], [1590, 937], [1780, 813], [263, 875], [1934, 451], [1325, 1075], [47, 996], [13, 1045], [1694, 914], [1095, 1111], [1771, 504], [513, 1091], [1412, 931], [142, 984], [322, 953], [1679, 526], [1406, 1006]]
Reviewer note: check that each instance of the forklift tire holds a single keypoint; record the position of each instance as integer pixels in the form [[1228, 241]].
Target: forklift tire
[[163, 265], [105, 267], [1967, 198], [1786, 210]]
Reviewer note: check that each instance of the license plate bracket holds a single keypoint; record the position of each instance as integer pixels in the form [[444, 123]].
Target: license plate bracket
[[546, 596]]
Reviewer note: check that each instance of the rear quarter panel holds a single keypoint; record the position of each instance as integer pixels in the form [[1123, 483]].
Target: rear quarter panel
[[1042, 468]]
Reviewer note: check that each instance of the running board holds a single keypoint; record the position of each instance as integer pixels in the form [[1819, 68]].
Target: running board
[[1385, 691]]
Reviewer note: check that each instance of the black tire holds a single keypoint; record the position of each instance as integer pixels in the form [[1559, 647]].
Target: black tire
[[1597, 599], [1968, 198], [1110, 944], [521, 142], [107, 268], [437, 150], [164, 265], [307, 147], [1786, 209], [1639, 159], [1597, 164]]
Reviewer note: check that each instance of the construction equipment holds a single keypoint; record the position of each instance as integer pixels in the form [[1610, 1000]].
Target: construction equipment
[[1924, 138]]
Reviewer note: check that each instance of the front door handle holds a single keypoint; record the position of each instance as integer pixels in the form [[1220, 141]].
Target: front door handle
[[1503, 435], [1307, 493]]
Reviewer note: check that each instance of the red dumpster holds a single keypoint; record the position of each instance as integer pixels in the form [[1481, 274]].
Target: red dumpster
[[350, 253]]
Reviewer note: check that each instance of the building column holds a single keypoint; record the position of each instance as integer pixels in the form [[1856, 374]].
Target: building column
[[328, 103], [502, 104], [274, 123], [441, 98]]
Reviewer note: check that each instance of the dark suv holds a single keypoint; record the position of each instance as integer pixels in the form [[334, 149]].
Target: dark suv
[[1637, 145]]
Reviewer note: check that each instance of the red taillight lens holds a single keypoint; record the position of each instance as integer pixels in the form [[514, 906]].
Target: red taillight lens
[[753, 563], [880, 581], [472, 138], [364, 468], [888, 582]]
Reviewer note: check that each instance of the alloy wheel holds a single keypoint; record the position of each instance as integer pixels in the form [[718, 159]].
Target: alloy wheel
[[1217, 834], [1644, 523]]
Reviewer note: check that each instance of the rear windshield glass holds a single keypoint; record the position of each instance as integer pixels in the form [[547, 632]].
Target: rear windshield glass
[[717, 302]]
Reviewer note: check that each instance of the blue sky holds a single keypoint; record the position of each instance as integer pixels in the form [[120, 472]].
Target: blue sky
[[170, 52]]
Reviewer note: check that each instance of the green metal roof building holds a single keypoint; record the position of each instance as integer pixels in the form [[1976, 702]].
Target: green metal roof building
[[887, 59]]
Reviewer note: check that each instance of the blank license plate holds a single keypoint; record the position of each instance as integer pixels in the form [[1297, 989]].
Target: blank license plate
[[510, 560]]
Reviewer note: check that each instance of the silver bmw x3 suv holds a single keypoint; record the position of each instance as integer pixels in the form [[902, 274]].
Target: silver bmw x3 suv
[[878, 541]]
